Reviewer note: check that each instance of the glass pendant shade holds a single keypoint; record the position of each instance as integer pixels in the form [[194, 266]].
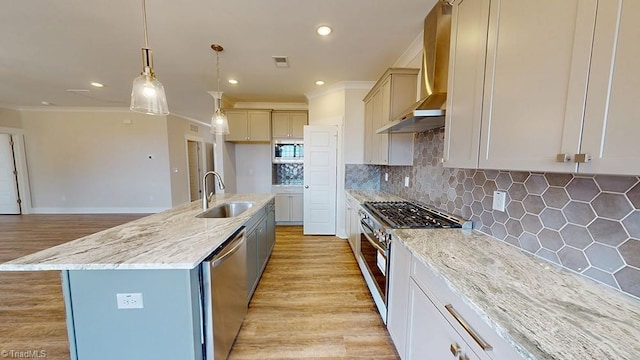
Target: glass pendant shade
[[219, 122], [147, 95]]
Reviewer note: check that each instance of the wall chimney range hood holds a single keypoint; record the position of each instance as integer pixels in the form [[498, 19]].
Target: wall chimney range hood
[[428, 113]]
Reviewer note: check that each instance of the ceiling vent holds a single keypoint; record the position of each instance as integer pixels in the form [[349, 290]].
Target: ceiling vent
[[281, 61]]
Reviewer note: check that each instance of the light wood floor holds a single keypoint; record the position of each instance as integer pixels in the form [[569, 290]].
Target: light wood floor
[[311, 303]]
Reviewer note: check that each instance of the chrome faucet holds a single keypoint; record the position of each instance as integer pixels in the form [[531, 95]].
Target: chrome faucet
[[206, 198]]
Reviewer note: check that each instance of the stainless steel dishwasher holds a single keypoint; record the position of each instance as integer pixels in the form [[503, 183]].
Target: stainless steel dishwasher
[[224, 290]]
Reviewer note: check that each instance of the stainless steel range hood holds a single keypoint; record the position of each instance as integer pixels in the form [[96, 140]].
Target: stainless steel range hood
[[428, 113]]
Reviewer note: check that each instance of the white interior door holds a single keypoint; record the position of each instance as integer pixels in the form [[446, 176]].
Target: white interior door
[[8, 181], [320, 180]]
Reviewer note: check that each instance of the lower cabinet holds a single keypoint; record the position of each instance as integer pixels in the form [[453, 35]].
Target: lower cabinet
[[289, 208], [260, 240], [430, 335], [426, 320], [352, 224]]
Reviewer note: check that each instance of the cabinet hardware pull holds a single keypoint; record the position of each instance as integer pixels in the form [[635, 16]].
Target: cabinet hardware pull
[[583, 158], [563, 158], [483, 344], [455, 349], [463, 357]]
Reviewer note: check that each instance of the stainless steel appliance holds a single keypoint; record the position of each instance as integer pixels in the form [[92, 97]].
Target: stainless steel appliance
[[288, 151], [224, 290], [376, 221]]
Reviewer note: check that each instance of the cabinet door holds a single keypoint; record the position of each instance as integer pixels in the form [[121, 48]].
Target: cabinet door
[[280, 124], [238, 125], [538, 55], [263, 246], [347, 225], [430, 335], [296, 205], [612, 115], [355, 228], [283, 211], [399, 272], [252, 263], [368, 133], [385, 104], [271, 229], [297, 121], [380, 141], [259, 125], [469, 24]]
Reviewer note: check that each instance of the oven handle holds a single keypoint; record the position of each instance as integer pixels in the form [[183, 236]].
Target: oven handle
[[372, 242]]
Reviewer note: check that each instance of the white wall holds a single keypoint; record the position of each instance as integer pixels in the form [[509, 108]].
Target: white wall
[[10, 118], [354, 125], [253, 168], [97, 161], [179, 131]]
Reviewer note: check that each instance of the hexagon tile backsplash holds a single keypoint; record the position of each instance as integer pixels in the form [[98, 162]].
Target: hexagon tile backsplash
[[587, 223]]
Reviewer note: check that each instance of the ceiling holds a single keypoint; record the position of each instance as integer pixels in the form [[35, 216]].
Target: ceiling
[[49, 46]]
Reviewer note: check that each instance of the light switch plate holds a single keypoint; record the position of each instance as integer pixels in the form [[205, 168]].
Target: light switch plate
[[499, 200], [130, 301], [406, 181]]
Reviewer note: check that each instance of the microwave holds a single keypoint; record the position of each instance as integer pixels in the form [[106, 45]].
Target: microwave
[[288, 151]]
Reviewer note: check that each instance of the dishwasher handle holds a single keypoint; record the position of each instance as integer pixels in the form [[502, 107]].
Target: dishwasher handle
[[233, 246]]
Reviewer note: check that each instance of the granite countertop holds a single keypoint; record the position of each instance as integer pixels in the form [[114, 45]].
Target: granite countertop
[[538, 307], [172, 239]]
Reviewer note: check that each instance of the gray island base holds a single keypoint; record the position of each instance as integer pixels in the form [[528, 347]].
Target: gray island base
[[136, 291]]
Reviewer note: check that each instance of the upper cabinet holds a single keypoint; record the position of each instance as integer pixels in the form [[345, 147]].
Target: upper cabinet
[[519, 74], [288, 124], [393, 93], [249, 125]]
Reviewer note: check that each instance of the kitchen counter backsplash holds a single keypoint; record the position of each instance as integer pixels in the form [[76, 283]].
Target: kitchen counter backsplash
[[288, 174], [588, 224], [362, 177]]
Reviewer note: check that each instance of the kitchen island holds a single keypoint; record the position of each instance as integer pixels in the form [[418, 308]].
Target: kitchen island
[[159, 257]]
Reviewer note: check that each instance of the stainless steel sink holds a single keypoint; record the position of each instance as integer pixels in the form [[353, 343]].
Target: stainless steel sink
[[227, 210]]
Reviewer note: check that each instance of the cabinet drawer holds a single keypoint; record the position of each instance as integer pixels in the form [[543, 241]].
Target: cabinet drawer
[[482, 338]]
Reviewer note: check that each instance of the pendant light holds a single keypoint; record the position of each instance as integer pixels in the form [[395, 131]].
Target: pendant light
[[219, 122], [147, 94]]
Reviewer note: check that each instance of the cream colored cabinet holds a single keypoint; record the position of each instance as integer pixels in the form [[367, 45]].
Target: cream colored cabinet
[[398, 298], [426, 319], [393, 93], [289, 205], [288, 124], [557, 97], [430, 333], [352, 224], [612, 116], [249, 125]]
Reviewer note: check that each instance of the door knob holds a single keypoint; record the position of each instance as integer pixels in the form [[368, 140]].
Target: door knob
[[306, 186]]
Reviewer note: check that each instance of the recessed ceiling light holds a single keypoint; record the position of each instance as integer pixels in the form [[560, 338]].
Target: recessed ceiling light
[[233, 81], [45, 103], [319, 82], [323, 30], [97, 84]]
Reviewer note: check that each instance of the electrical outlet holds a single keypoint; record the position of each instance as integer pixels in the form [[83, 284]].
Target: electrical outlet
[[406, 181], [499, 200], [130, 301], [386, 176]]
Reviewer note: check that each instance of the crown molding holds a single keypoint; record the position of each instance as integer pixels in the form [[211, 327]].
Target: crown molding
[[54, 108], [271, 105], [340, 86]]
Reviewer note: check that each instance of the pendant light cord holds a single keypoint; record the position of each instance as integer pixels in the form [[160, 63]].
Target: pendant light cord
[[218, 68], [144, 22]]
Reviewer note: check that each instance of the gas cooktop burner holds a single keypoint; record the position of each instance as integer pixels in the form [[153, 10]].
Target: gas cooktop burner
[[405, 214]]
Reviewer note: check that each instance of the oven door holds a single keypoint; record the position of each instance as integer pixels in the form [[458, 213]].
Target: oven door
[[373, 255]]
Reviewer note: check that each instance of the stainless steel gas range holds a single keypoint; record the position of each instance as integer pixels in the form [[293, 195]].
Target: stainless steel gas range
[[377, 219]]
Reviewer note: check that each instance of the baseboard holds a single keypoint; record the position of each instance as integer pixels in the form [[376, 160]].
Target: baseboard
[[97, 210]]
